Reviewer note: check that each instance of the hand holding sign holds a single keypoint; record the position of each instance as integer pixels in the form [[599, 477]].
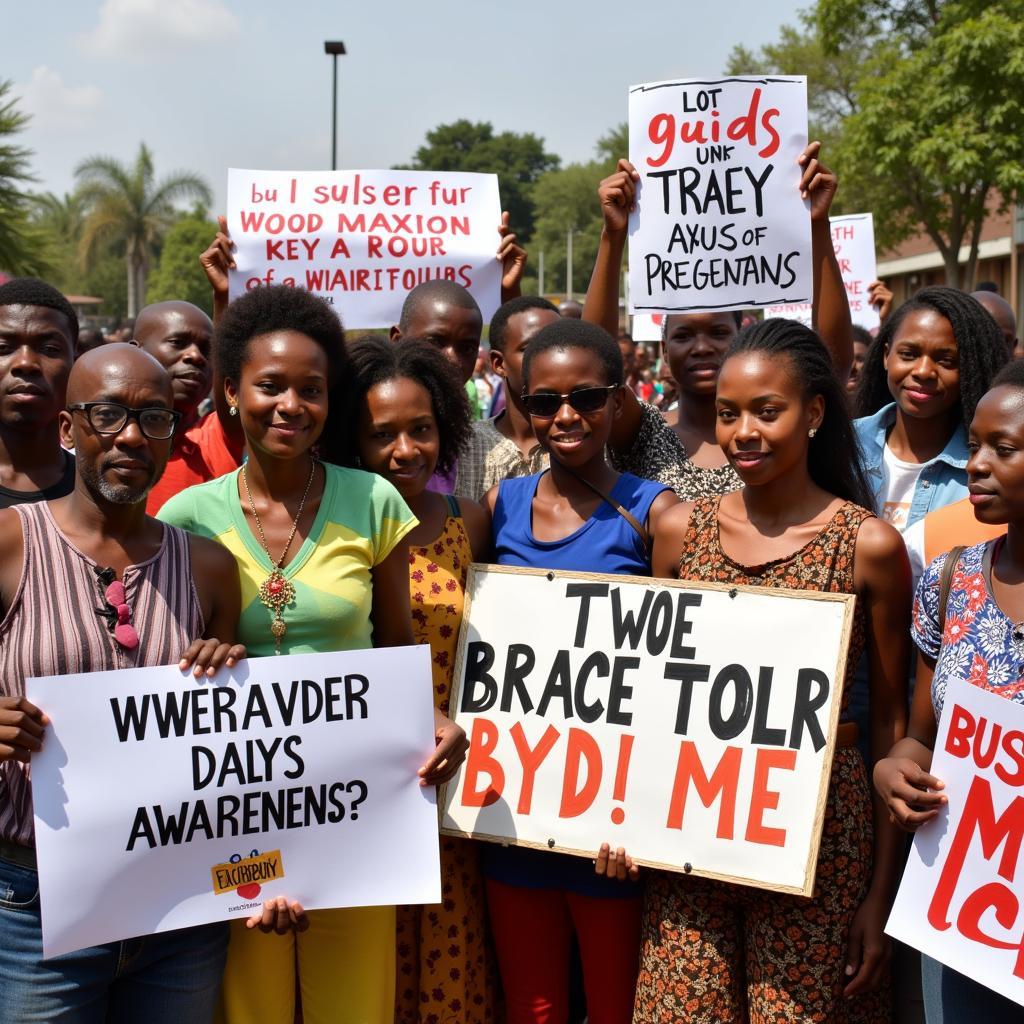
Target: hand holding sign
[[817, 184], [910, 793], [617, 196], [21, 729]]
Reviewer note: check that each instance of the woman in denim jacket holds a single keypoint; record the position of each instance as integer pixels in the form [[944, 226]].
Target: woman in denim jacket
[[922, 378]]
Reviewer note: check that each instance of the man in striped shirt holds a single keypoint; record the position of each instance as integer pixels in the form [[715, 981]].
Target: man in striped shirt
[[65, 566]]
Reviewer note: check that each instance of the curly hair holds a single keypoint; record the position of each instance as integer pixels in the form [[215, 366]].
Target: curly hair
[[579, 334], [980, 349], [374, 361], [272, 308], [30, 291], [833, 457]]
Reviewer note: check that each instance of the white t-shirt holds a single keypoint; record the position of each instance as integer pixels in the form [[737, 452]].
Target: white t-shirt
[[899, 480]]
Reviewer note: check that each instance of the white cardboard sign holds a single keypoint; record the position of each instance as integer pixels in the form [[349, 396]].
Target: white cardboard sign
[[364, 239], [719, 223], [960, 900], [163, 802], [676, 719], [853, 238]]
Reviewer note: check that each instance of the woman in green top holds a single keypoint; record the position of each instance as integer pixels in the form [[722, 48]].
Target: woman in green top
[[322, 568]]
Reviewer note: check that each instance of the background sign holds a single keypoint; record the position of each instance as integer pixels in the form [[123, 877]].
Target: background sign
[[364, 239], [960, 900], [719, 223], [853, 238], [162, 801], [676, 719]]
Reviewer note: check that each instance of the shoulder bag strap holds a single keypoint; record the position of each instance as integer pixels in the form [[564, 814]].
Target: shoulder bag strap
[[641, 532]]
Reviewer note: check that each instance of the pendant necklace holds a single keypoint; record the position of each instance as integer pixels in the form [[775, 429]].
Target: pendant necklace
[[276, 591]]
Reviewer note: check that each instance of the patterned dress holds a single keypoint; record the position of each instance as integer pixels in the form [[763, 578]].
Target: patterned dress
[[658, 454], [446, 973], [730, 953]]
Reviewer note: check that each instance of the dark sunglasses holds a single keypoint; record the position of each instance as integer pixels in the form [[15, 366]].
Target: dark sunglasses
[[111, 418], [583, 400]]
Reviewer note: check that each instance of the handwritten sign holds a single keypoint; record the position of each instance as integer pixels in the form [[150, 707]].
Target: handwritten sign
[[960, 899], [719, 222], [193, 801], [364, 239], [853, 238], [676, 719]]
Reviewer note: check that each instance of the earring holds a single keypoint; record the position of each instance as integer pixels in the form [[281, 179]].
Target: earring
[[232, 410], [812, 431]]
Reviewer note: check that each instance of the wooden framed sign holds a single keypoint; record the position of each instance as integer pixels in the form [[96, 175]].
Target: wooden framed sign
[[693, 724]]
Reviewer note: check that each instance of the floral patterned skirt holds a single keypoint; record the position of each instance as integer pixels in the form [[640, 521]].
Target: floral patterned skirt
[[446, 970], [714, 952]]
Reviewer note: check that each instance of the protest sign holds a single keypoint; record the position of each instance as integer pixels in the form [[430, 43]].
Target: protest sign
[[853, 238], [364, 239], [960, 898], [679, 720], [162, 801], [719, 223]]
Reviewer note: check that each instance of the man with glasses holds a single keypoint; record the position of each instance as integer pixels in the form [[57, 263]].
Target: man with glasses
[[38, 335], [89, 583]]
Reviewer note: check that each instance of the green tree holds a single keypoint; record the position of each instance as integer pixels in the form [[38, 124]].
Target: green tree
[[831, 76], [57, 222], [21, 247], [128, 209], [921, 105], [518, 160], [178, 274]]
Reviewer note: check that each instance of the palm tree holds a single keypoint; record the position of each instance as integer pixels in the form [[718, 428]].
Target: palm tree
[[20, 247], [126, 208]]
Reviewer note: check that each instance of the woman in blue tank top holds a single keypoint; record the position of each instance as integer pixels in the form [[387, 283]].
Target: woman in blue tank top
[[580, 516]]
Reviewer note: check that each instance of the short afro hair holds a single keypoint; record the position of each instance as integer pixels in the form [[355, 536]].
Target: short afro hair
[[567, 334], [862, 335], [736, 314], [499, 322], [375, 361], [272, 308], [30, 291], [436, 291], [1010, 376]]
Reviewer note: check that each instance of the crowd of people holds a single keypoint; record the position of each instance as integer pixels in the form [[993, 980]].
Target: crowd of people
[[333, 499]]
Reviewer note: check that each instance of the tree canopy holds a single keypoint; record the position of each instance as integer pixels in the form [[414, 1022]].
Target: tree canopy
[[127, 208], [518, 160], [178, 274], [923, 105], [21, 248]]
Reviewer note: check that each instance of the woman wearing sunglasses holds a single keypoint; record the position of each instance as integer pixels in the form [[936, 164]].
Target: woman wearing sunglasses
[[579, 516]]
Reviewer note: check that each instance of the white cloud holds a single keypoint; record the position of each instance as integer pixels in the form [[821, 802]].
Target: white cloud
[[53, 104], [134, 29]]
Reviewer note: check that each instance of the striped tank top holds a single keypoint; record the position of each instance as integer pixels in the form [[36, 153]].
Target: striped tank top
[[52, 628]]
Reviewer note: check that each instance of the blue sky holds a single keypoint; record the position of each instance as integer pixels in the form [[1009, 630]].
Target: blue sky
[[209, 84]]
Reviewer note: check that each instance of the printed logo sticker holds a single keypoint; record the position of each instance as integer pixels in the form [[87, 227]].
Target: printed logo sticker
[[244, 874]]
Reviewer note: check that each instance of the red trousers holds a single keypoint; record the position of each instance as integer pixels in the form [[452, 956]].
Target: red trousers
[[533, 937]]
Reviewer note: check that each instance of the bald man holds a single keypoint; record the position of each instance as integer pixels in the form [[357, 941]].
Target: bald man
[[178, 335], [120, 422], [1002, 312]]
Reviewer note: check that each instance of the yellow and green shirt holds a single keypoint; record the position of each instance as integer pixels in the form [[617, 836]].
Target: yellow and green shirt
[[360, 520]]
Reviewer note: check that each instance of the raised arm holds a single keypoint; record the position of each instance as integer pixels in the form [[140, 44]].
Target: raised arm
[[216, 260], [830, 310], [617, 195]]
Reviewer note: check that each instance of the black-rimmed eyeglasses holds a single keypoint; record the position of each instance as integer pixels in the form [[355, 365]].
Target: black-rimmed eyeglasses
[[111, 417]]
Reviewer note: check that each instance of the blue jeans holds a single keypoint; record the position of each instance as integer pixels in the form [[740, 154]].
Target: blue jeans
[[952, 998], [169, 978]]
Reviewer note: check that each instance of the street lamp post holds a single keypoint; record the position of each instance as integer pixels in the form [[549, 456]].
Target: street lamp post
[[334, 48]]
